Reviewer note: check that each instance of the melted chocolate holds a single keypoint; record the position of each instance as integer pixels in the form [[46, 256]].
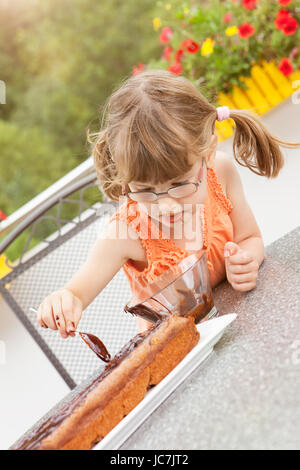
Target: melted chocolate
[[147, 312], [34, 439], [186, 306], [96, 346]]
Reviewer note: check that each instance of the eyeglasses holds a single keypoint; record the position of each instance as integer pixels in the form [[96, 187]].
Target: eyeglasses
[[178, 191]]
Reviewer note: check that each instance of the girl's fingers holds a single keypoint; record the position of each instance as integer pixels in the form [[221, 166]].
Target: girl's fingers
[[242, 278], [59, 316], [47, 315], [244, 287], [243, 268], [60, 311], [40, 319], [68, 309], [240, 258]]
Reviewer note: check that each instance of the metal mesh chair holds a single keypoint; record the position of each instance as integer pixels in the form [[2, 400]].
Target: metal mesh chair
[[49, 265]]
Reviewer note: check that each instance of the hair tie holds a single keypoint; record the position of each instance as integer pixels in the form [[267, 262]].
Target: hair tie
[[223, 113]]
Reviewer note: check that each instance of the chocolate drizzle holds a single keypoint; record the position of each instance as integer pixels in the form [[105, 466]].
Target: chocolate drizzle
[[96, 346], [186, 307], [146, 312], [33, 441]]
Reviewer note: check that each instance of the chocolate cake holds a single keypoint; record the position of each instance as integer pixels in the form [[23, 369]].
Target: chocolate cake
[[103, 402]]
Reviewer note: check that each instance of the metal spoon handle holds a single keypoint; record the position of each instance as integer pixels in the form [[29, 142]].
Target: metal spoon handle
[[33, 310]]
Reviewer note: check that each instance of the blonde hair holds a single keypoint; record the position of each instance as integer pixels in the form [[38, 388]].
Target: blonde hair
[[157, 124]]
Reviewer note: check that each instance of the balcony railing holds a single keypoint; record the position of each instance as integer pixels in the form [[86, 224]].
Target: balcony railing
[[85, 169]]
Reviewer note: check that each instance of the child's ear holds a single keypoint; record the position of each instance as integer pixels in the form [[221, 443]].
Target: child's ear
[[212, 150]]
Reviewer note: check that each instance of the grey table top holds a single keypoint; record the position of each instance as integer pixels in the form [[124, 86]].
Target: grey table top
[[247, 393]]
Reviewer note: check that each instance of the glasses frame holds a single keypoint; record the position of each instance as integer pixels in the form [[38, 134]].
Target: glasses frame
[[157, 195]]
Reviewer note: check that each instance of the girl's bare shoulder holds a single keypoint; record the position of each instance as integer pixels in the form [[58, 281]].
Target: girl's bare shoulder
[[223, 166]]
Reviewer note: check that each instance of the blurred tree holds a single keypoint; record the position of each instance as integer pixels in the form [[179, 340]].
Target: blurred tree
[[60, 59], [13, 17], [29, 163], [76, 53]]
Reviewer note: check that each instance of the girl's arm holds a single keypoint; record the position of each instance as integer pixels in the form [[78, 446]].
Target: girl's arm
[[244, 256], [62, 309], [104, 260]]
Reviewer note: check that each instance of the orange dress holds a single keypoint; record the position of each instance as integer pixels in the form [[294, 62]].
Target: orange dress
[[163, 253]]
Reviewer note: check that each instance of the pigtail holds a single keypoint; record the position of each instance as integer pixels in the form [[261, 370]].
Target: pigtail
[[104, 164], [255, 147]]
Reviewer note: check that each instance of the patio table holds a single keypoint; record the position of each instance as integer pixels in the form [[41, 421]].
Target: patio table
[[247, 393]]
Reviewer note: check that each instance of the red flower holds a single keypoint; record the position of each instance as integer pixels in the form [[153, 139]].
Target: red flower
[[190, 46], [249, 4], [176, 68], [166, 34], [138, 69], [228, 17], [290, 27], [283, 13], [167, 53], [286, 67], [282, 18], [246, 30], [284, 3], [2, 215], [179, 54]]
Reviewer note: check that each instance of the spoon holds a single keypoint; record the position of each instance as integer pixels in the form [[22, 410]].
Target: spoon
[[93, 342]]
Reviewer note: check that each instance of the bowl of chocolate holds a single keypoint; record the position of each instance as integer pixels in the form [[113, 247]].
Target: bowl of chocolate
[[185, 291]]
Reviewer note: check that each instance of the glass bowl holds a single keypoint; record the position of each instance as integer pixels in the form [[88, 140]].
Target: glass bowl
[[187, 294]]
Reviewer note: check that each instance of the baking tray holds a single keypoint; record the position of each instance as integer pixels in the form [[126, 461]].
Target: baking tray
[[211, 332]]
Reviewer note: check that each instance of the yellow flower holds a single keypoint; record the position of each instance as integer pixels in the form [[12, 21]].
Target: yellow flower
[[168, 6], [207, 47], [231, 31], [156, 23], [186, 11]]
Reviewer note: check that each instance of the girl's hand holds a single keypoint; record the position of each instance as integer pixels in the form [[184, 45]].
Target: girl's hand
[[61, 311], [241, 267]]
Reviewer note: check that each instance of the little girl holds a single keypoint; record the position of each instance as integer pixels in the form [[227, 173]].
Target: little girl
[[158, 151]]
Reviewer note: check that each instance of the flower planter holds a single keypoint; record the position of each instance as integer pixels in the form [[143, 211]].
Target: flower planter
[[267, 87]]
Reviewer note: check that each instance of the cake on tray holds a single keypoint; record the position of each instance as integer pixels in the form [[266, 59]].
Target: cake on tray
[[89, 413]]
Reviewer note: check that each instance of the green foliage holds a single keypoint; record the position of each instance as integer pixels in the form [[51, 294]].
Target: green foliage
[[60, 60], [29, 163], [232, 55], [75, 52]]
